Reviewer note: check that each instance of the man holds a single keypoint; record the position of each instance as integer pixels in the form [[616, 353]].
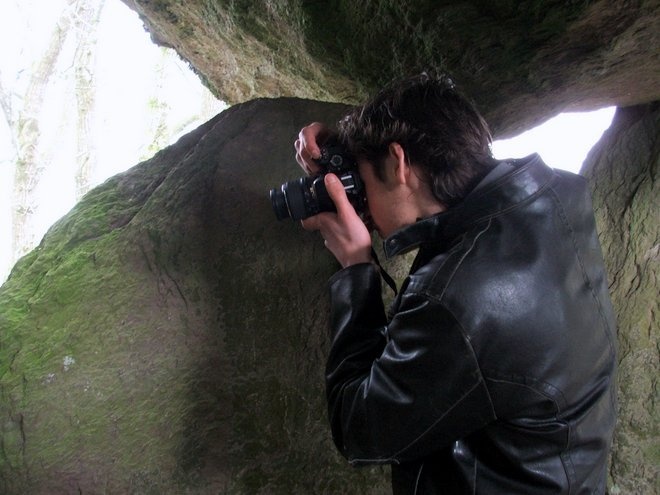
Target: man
[[495, 371]]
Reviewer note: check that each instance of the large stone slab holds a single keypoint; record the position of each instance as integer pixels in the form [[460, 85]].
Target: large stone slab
[[169, 335], [522, 62], [623, 172]]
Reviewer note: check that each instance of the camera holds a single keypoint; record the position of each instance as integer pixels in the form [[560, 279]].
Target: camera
[[307, 196]]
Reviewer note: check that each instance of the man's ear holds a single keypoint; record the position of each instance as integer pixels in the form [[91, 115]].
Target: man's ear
[[399, 159]]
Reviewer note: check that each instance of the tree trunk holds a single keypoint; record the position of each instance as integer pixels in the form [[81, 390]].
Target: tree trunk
[[86, 21], [158, 110], [7, 112], [29, 165], [623, 169]]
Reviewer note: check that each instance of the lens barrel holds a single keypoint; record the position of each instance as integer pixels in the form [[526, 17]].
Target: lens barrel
[[279, 203], [294, 199], [297, 195]]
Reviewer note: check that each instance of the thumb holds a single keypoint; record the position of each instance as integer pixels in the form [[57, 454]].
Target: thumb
[[337, 193]]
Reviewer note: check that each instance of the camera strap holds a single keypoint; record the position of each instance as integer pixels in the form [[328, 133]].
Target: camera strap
[[385, 276]]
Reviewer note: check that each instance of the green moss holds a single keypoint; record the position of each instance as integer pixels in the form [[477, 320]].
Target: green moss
[[142, 345], [56, 341]]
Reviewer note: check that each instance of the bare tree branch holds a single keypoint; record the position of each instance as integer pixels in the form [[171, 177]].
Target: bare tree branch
[[28, 169], [86, 21], [7, 111]]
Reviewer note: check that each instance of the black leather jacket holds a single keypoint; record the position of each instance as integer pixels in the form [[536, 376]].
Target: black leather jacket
[[495, 371]]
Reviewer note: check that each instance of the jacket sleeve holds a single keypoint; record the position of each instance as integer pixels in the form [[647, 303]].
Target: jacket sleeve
[[401, 390]]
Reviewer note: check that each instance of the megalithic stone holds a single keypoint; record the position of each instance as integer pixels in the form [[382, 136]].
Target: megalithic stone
[[169, 335], [623, 173]]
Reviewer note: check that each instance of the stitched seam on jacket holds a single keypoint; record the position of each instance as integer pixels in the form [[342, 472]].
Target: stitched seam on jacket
[[563, 456], [419, 475], [566, 458], [567, 461], [423, 434], [519, 204], [520, 380], [585, 275], [482, 376], [459, 263], [393, 458], [439, 298]]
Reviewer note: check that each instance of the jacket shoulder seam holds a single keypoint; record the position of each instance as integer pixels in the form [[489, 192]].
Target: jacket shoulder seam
[[439, 297], [585, 275]]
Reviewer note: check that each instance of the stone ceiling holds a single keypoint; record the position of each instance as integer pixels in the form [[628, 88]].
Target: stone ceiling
[[522, 61]]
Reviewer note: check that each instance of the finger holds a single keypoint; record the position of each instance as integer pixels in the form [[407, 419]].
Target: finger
[[309, 136], [304, 159], [311, 223], [299, 159], [337, 193]]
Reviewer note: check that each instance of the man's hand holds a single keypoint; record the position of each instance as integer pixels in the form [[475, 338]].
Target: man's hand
[[345, 234], [307, 146]]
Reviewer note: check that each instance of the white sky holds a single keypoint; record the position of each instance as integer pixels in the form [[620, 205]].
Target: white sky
[[127, 71], [563, 142], [130, 72]]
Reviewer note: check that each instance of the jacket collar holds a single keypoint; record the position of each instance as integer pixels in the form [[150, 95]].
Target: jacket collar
[[500, 190]]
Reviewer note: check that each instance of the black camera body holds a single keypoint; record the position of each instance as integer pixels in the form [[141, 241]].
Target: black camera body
[[307, 196]]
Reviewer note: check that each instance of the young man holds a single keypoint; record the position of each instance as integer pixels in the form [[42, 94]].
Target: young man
[[494, 372]]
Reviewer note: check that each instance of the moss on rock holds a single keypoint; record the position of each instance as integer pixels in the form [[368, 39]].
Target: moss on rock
[[168, 335]]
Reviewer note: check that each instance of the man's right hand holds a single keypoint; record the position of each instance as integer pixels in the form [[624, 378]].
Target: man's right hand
[[346, 236], [307, 146]]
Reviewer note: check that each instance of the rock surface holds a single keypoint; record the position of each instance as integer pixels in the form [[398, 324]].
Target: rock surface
[[623, 172], [522, 62], [169, 335]]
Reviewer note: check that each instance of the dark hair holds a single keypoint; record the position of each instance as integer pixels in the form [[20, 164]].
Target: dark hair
[[439, 129]]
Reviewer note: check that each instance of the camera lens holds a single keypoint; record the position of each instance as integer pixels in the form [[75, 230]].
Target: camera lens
[[279, 203], [295, 191], [291, 199]]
